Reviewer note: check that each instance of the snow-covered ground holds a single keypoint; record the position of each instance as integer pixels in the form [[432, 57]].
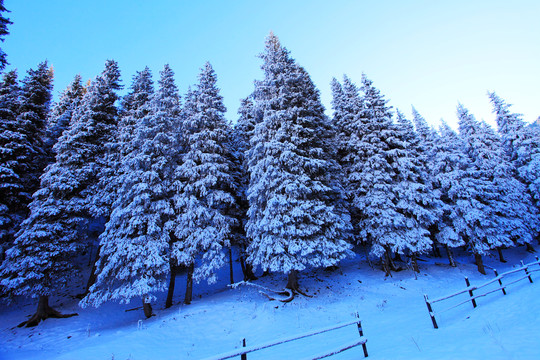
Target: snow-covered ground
[[392, 310]]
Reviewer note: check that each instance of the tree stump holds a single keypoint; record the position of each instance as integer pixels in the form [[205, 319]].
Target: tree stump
[[147, 308]]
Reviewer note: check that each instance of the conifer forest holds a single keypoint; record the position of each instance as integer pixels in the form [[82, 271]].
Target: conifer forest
[[136, 189]]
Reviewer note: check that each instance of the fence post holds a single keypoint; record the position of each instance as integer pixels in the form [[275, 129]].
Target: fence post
[[527, 271], [470, 291], [431, 314], [243, 356], [500, 282], [361, 333]]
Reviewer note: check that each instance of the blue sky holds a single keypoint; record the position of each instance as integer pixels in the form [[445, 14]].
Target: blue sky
[[430, 54]]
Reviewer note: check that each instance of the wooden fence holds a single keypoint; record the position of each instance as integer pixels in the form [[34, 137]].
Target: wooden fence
[[242, 353], [471, 289]]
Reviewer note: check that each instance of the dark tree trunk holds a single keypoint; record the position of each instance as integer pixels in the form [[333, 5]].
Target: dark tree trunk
[[44, 311], [397, 257], [231, 266], [147, 308], [501, 257], [189, 285], [414, 262], [247, 270], [390, 261], [386, 265], [450, 256], [93, 276], [172, 280], [292, 281], [479, 263], [436, 251], [530, 248]]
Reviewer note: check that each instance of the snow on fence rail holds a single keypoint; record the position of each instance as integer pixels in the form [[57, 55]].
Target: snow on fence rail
[[244, 351], [472, 297]]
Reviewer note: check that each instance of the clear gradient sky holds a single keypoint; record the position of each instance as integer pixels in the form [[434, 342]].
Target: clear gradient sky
[[430, 54]]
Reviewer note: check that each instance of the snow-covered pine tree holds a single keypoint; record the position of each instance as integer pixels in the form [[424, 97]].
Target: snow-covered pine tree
[[450, 177], [61, 113], [134, 107], [296, 217], [10, 186], [348, 125], [204, 185], [4, 22], [507, 211], [427, 138], [518, 217], [134, 256], [347, 105], [30, 153], [242, 133], [417, 198], [521, 144], [40, 262], [24, 111], [386, 183]]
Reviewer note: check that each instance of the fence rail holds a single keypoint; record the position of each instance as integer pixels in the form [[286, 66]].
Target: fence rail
[[470, 288], [246, 350]]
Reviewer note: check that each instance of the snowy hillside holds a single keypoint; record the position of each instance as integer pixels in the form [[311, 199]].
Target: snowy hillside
[[392, 310]]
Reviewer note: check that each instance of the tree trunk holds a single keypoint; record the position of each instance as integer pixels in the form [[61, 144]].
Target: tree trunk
[[390, 261], [386, 265], [414, 262], [397, 257], [530, 248], [93, 276], [247, 270], [436, 251], [189, 285], [292, 281], [450, 256], [44, 311], [147, 308], [479, 263], [501, 257], [231, 266], [172, 280]]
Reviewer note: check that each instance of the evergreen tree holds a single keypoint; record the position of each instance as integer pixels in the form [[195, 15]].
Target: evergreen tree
[[296, 217], [33, 112], [40, 262], [60, 115], [426, 140], [134, 107], [242, 134], [506, 210], [521, 144], [417, 198], [204, 187], [134, 256], [10, 137], [23, 111], [391, 196], [4, 22], [450, 176], [348, 124]]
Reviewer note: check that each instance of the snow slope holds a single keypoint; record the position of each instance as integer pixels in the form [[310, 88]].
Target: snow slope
[[392, 310]]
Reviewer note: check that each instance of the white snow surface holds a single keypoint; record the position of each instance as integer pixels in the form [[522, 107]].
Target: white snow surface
[[393, 313]]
